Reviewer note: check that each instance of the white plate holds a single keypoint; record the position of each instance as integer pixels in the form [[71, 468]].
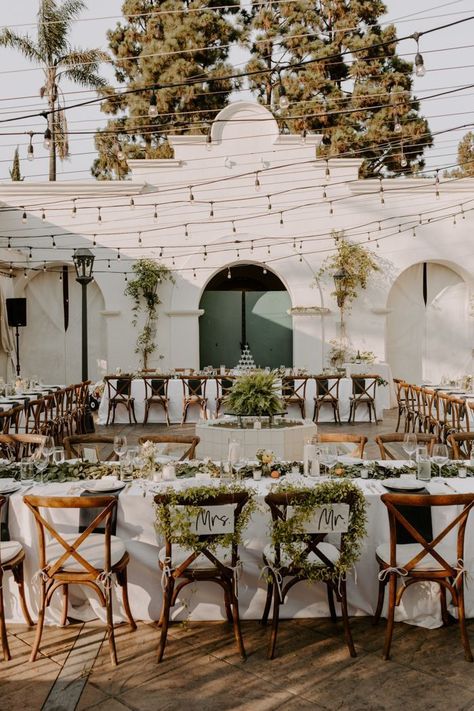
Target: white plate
[[8, 486], [104, 485], [403, 484]]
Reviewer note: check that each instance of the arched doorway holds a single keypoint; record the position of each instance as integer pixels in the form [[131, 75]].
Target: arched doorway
[[428, 327], [50, 345], [245, 305]]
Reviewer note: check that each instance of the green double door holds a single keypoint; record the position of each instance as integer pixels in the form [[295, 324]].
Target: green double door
[[260, 318]]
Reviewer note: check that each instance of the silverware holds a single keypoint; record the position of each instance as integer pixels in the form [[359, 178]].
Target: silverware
[[27, 488], [450, 487]]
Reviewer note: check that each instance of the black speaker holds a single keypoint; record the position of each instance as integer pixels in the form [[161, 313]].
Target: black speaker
[[16, 312]]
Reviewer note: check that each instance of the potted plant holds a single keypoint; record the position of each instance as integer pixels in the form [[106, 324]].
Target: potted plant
[[255, 394]]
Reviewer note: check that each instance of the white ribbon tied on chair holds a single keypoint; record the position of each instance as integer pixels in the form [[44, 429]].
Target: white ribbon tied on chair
[[392, 569], [41, 574], [106, 579], [166, 573], [461, 571], [276, 576], [237, 570]]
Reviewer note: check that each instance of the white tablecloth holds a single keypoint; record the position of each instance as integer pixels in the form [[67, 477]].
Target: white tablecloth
[[420, 604], [175, 394]]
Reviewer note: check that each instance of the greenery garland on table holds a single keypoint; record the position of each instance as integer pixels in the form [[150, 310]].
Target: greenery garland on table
[[174, 523], [68, 471], [290, 533]]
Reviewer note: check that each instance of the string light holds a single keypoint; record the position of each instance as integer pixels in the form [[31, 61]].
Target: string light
[[204, 256], [238, 253], [191, 194], [60, 276], [211, 209], [118, 253], [283, 101], [398, 127], [161, 252], [99, 216], [380, 226], [132, 203], [382, 197], [30, 254], [257, 181], [377, 244], [108, 264], [47, 138], [94, 241], [420, 220], [153, 106], [126, 278], [31, 151], [264, 270], [25, 274], [173, 262], [331, 209], [251, 245], [53, 242], [327, 171], [268, 249], [462, 212], [209, 140], [368, 236], [43, 215], [281, 218], [414, 231], [437, 184], [324, 193], [119, 151], [194, 273], [74, 209], [454, 219], [234, 229], [303, 137], [155, 214], [294, 242], [140, 239], [403, 158], [269, 206], [44, 267], [420, 69], [24, 217], [229, 274], [186, 233]]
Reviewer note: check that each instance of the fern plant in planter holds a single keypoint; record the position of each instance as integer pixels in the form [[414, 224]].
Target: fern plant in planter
[[254, 394]]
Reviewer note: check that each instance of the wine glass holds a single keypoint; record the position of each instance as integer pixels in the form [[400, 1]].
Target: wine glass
[[48, 446], [41, 462], [120, 445], [58, 455], [409, 444], [440, 456]]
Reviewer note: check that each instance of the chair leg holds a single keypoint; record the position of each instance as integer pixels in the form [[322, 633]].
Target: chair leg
[[110, 625], [122, 581], [19, 579], [392, 593], [133, 412], [40, 623], [3, 627], [275, 621], [380, 600], [145, 418], [236, 620], [165, 617], [268, 603], [65, 605], [462, 622], [345, 620], [227, 603], [332, 609], [444, 607], [398, 420]]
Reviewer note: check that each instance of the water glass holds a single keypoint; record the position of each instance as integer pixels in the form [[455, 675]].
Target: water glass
[[59, 455], [41, 463], [120, 445], [423, 464], [27, 471], [48, 446]]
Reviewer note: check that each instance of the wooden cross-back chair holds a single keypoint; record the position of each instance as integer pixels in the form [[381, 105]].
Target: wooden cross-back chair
[[188, 453], [294, 392], [74, 446], [461, 421], [424, 560], [317, 551], [327, 394], [181, 567], [401, 402], [119, 390], [224, 384], [445, 416], [406, 395], [12, 556], [364, 388], [33, 409], [156, 393], [10, 420], [428, 422], [343, 438], [397, 438], [461, 444], [89, 559], [194, 393]]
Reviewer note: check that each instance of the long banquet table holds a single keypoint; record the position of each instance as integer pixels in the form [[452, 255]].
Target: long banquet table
[[383, 401], [135, 525]]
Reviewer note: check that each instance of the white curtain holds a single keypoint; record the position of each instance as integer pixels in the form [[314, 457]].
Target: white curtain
[[7, 342]]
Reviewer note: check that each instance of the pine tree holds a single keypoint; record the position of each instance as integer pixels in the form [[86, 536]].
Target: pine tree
[[53, 52], [15, 172], [465, 167], [162, 42], [361, 102]]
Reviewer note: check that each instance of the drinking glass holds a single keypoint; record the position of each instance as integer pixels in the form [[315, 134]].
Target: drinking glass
[[59, 455], [48, 446], [41, 462], [440, 456], [27, 471], [409, 444], [120, 445]]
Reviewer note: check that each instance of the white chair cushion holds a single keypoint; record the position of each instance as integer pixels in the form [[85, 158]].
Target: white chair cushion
[[92, 549], [327, 549], [202, 562], [406, 551], [9, 550]]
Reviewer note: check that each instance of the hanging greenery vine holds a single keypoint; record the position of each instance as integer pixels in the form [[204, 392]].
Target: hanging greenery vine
[[290, 533], [173, 520], [143, 290]]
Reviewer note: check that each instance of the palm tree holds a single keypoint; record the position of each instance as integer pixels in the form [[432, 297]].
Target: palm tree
[[53, 51]]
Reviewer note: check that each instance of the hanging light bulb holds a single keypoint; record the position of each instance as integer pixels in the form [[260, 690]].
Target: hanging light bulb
[[53, 242], [74, 209], [437, 184], [155, 214], [369, 237], [194, 273], [94, 241], [264, 268], [382, 197], [31, 151], [229, 275], [60, 276], [118, 253], [251, 245], [281, 218], [139, 239], [326, 139], [47, 139], [108, 263], [30, 254], [125, 274], [99, 216], [186, 233], [161, 251], [303, 137], [234, 229], [238, 253], [211, 209], [380, 226], [327, 171], [191, 194], [294, 242], [268, 249], [44, 267], [24, 217], [25, 274], [324, 193], [227, 162], [257, 181], [209, 141], [132, 203], [283, 101], [420, 69], [9, 246], [43, 215], [454, 219], [153, 106], [378, 246], [204, 256], [403, 159], [331, 209], [462, 212], [398, 127], [269, 206]]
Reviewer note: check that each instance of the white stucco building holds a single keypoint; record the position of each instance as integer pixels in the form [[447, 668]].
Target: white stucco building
[[247, 196]]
